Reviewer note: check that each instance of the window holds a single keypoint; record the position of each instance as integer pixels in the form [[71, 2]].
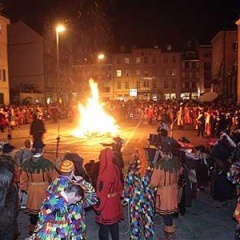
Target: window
[[107, 89], [138, 72], [126, 60], [118, 85], [154, 60], [127, 73], [145, 73], [167, 72], [145, 60], [194, 65], [174, 59], [174, 72], [154, 84], [186, 65], [138, 60], [138, 85], [118, 60], [174, 84], [165, 84], [1, 28], [235, 46], [119, 73], [194, 85], [206, 54], [146, 84], [126, 85], [187, 85], [183, 74], [3, 75], [207, 66]]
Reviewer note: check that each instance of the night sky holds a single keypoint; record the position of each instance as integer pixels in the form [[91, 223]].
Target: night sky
[[138, 22]]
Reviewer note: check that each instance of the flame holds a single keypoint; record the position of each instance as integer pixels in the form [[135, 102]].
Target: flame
[[93, 120]]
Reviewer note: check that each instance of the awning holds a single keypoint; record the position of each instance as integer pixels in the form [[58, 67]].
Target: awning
[[208, 97]]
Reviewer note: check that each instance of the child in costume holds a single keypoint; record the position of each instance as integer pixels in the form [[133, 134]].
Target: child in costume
[[77, 211], [58, 216]]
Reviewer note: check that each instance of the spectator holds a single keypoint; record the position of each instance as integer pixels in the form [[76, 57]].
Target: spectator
[[140, 197], [37, 129], [109, 191], [8, 200], [37, 173], [165, 178]]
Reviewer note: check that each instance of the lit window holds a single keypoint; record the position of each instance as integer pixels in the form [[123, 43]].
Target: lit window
[[119, 73], [138, 60], [1, 28], [138, 72]]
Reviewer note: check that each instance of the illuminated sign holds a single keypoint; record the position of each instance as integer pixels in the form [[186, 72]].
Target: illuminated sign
[[133, 93]]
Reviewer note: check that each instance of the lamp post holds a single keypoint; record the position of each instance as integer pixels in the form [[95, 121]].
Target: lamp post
[[60, 28]]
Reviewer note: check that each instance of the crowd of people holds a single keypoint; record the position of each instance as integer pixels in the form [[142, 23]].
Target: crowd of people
[[162, 177]]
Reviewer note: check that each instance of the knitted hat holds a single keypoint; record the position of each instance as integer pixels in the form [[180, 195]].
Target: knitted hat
[[66, 166]]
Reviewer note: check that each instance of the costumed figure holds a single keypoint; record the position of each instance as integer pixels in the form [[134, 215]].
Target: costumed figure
[[37, 172], [8, 200], [65, 178], [221, 189], [62, 214], [233, 176], [165, 178], [21, 156], [79, 169], [109, 189], [37, 129], [140, 196]]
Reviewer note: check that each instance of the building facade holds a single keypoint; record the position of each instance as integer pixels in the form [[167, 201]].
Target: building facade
[[26, 62], [4, 73], [205, 68], [224, 63]]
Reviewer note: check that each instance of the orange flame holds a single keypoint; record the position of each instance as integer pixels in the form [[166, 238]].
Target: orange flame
[[93, 120]]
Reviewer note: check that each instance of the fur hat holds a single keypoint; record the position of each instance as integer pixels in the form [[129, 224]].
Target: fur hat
[[38, 145], [66, 166], [7, 148]]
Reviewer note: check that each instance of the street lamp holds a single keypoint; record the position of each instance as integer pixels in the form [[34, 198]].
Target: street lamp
[[60, 28], [100, 57]]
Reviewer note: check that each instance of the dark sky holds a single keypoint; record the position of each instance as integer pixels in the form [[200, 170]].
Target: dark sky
[[144, 22]]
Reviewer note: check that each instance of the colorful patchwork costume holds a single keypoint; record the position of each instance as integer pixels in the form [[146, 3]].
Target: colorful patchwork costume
[[140, 197], [57, 219]]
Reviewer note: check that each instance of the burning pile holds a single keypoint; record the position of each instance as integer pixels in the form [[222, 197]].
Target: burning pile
[[94, 121]]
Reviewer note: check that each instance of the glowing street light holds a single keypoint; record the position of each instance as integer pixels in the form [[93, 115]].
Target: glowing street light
[[60, 28], [100, 57]]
